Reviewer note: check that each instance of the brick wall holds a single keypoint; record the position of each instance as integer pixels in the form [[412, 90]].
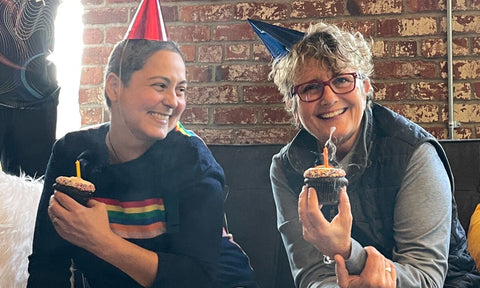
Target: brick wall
[[231, 102]]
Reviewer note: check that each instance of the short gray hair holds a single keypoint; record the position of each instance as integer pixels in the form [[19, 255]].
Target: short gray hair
[[333, 48]]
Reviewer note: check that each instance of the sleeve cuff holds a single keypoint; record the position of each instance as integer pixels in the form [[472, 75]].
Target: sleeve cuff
[[357, 259]]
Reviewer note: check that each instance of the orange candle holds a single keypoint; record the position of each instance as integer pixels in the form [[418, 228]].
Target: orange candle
[[325, 156], [77, 164]]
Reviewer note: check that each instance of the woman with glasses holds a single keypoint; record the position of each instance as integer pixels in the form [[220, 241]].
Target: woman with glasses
[[394, 225]]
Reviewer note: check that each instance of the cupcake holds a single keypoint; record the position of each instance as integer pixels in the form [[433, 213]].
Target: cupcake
[[327, 181], [75, 187]]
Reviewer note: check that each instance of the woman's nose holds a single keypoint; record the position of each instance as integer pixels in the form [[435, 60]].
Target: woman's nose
[[170, 98], [329, 97]]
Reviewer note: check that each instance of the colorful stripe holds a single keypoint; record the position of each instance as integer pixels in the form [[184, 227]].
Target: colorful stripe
[[181, 129], [136, 219]]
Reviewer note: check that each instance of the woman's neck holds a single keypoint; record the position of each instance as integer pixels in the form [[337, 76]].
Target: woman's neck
[[120, 150]]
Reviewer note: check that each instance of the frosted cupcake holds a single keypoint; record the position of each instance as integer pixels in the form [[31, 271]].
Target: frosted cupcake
[[327, 181]]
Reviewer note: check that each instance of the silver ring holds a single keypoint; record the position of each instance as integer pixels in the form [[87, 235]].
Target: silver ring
[[327, 260], [388, 269]]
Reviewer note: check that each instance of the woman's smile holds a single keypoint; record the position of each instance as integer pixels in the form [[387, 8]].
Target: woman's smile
[[331, 114], [162, 117]]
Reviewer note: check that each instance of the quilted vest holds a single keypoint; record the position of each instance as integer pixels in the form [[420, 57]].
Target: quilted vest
[[390, 141]]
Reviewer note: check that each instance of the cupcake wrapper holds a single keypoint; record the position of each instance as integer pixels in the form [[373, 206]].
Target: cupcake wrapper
[[328, 188], [80, 196]]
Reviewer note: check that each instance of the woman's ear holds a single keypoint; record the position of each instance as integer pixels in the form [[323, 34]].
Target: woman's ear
[[366, 86], [112, 87]]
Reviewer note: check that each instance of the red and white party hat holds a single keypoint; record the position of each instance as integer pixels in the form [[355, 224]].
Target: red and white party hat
[[148, 22]]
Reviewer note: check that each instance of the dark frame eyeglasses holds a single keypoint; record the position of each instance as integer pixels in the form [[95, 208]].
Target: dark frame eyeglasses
[[313, 90]]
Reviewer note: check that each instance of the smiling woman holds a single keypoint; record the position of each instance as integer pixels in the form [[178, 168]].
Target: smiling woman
[[67, 58]]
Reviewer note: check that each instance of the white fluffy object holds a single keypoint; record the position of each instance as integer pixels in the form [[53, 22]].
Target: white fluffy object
[[19, 197]]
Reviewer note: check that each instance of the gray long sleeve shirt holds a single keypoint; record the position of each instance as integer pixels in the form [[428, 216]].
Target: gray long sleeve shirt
[[422, 221]]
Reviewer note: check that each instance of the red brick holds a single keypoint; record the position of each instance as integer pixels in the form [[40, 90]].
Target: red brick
[[429, 91], [189, 52], [242, 72], [407, 27], [418, 113], [380, 49], [438, 132], [391, 91], [276, 115], [92, 75], [262, 94], [405, 70], [203, 94], [366, 27], [206, 13], [115, 34], [237, 52], [475, 4], [91, 115], [260, 53], [193, 33], [170, 14], [476, 45], [92, 36], [404, 48], [425, 5], [434, 48], [91, 95], [240, 115], [466, 23], [197, 74], [438, 48], [97, 55], [460, 47], [476, 90], [464, 133], [261, 10], [304, 9], [195, 115], [210, 53], [462, 91], [467, 69], [466, 113], [234, 32], [106, 16], [374, 7]]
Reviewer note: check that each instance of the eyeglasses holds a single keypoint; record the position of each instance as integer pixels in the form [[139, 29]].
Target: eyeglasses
[[313, 90]]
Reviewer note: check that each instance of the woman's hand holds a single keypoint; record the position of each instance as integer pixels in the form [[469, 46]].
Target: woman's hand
[[84, 227], [330, 238], [88, 228], [379, 272]]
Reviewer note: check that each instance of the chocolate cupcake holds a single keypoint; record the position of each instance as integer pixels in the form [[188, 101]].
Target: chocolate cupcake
[[327, 181], [75, 187]]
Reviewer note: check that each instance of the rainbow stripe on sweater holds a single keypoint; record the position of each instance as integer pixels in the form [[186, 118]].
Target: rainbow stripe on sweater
[[181, 129], [136, 219]]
